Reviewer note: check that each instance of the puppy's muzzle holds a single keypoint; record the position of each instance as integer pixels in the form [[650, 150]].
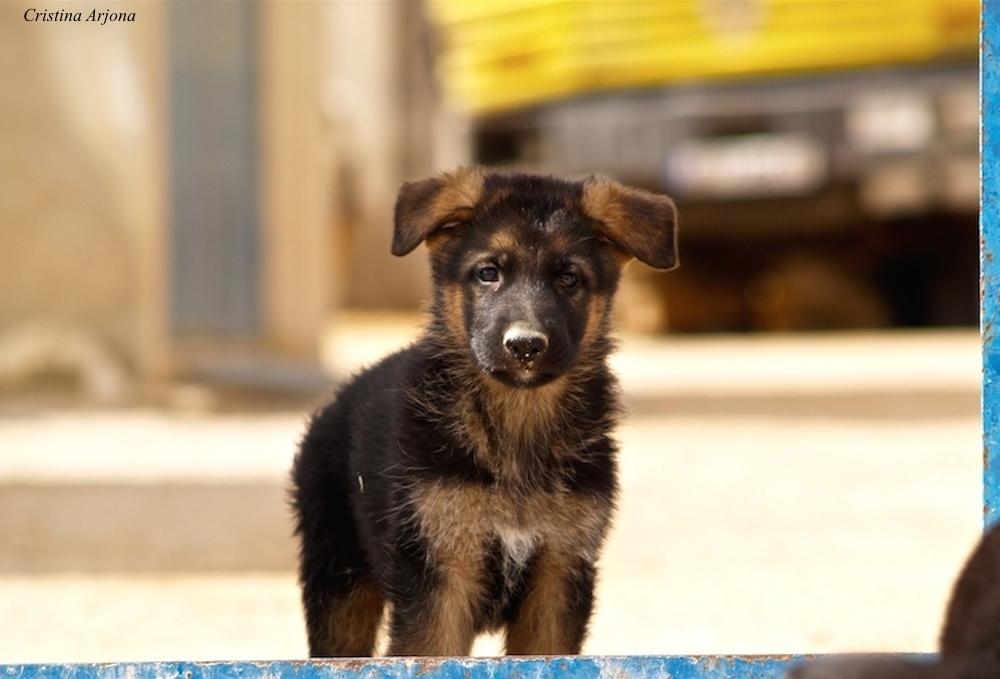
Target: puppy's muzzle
[[525, 345]]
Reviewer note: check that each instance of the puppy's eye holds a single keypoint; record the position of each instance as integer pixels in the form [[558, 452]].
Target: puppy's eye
[[488, 274], [568, 279]]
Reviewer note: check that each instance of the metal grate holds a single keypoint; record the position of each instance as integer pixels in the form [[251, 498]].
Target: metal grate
[[213, 170]]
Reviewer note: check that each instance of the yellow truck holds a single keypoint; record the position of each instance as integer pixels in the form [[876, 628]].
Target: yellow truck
[[842, 132]]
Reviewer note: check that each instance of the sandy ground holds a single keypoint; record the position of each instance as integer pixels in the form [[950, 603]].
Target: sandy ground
[[779, 495]]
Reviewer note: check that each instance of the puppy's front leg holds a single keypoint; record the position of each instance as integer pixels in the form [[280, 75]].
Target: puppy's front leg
[[438, 617], [553, 616]]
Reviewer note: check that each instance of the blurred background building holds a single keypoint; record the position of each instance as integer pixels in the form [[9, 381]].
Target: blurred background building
[[201, 190]]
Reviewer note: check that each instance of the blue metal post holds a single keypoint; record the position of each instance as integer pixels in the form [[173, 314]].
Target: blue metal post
[[989, 222]]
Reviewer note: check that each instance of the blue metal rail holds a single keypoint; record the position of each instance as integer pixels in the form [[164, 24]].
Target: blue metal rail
[[640, 667], [637, 667]]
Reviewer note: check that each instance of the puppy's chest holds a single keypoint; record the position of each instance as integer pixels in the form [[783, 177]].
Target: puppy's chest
[[526, 438], [463, 518], [517, 546]]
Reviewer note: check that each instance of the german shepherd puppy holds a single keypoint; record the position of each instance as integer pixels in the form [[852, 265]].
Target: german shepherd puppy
[[970, 636], [468, 481]]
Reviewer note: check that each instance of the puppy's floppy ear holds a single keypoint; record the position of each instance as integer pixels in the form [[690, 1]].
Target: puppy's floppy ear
[[642, 224], [425, 207]]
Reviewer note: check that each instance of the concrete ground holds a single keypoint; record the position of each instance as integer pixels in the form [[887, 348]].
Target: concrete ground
[[780, 494]]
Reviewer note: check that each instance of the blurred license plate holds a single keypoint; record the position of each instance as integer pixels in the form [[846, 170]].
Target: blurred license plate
[[758, 165]]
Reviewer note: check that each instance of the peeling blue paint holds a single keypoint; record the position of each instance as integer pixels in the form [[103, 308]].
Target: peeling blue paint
[[637, 667], [989, 225]]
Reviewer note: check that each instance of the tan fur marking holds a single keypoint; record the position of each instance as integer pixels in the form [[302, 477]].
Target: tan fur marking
[[460, 594], [458, 518], [462, 188], [524, 414], [516, 432], [527, 424], [600, 200], [455, 313], [452, 516], [467, 425], [560, 241], [353, 622], [596, 321], [424, 208], [504, 241], [448, 627], [642, 224], [523, 427], [461, 192], [456, 545], [541, 625]]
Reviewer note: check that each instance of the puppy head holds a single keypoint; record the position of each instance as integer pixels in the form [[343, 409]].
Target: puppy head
[[639, 223], [525, 266]]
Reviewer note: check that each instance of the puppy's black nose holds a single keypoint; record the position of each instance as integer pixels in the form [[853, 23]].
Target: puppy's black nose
[[526, 346]]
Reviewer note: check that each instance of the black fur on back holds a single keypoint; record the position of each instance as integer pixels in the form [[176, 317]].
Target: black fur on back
[[970, 636]]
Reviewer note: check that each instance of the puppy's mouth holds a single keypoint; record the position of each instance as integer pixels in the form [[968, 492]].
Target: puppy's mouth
[[522, 377], [524, 358]]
